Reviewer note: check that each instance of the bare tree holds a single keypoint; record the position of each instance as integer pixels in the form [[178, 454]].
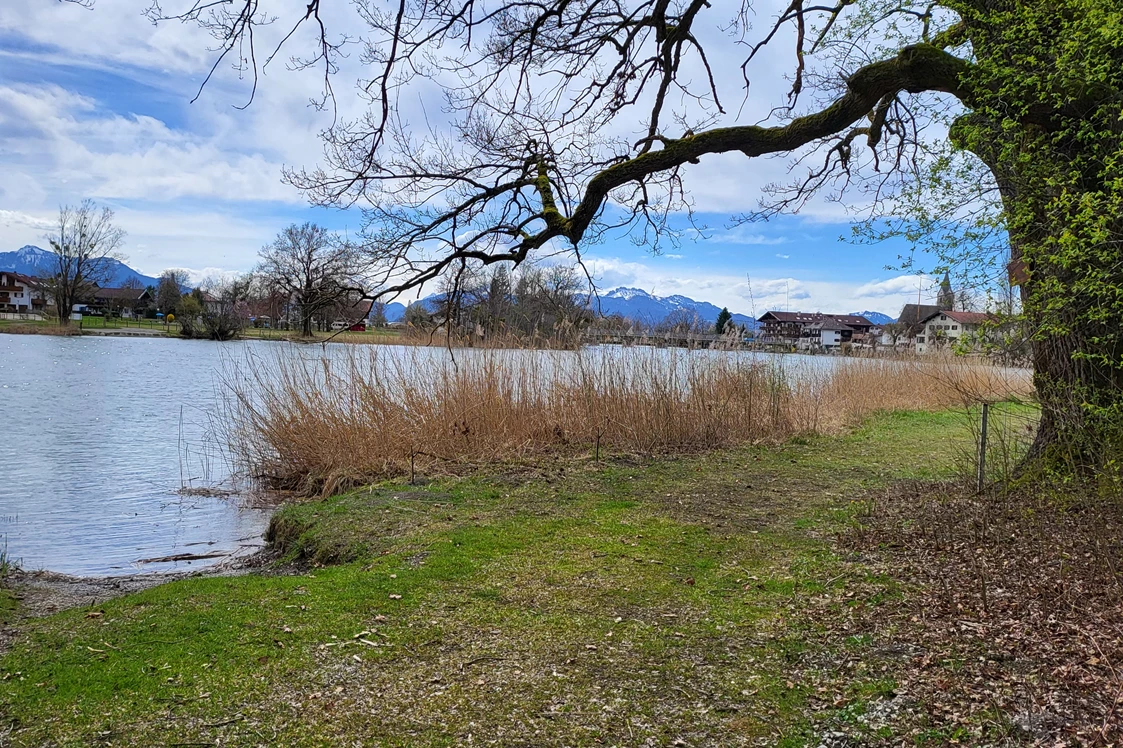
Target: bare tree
[[681, 321], [86, 244], [313, 269], [377, 315], [566, 120], [170, 287], [226, 311]]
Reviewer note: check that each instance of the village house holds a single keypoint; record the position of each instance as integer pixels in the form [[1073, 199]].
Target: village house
[[21, 294], [902, 334], [125, 302], [353, 316], [946, 328], [814, 331]]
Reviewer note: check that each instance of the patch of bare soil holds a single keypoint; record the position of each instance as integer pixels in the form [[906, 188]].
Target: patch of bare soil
[[42, 593], [1010, 629]]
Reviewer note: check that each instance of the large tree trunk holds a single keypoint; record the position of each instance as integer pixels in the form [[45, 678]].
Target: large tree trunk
[[64, 303], [1045, 89], [1077, 358], [1072, 289]]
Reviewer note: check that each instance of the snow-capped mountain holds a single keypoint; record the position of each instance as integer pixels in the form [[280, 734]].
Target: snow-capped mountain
[[633, 303], [877, 318], [32, 260], [641, 306]]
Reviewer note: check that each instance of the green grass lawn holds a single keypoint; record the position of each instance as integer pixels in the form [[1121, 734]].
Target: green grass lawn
[[22, 323], [564, 604], [93, 322], [370, 335], [113, 323]]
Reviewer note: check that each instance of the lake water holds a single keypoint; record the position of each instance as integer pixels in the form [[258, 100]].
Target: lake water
[[102, 436]]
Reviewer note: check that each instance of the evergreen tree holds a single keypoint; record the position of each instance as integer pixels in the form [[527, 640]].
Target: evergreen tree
[[723, 319]]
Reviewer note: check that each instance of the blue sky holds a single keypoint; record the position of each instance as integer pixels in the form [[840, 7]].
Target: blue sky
[[97, 104]]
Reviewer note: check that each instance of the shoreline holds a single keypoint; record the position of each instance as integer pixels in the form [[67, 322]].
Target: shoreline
[[43, 593], [347, 338]]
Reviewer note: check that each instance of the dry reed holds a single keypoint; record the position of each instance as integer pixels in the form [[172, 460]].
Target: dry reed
[[317, 425]]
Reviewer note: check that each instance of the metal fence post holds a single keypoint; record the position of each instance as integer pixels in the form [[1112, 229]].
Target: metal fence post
[[983, 448]]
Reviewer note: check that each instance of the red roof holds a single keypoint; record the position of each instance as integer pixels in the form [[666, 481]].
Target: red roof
[[963, 318], [26, 280], [125, 294], [808, 317]]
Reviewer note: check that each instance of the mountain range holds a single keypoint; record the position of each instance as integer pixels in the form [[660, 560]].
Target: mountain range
[[32, 260], [640, 306], [875, 317]]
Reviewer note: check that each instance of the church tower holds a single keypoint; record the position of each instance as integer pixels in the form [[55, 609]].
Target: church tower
[[945, 299]]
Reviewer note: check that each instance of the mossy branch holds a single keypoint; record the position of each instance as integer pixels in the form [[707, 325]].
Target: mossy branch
[[915, 69]]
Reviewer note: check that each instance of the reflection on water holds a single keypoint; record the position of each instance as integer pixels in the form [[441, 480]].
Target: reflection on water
[[99, 435]]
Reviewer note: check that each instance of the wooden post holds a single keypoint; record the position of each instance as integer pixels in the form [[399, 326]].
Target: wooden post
[[983, 448]]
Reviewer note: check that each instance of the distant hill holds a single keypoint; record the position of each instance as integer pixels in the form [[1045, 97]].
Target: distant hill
[[395, 310], [641, 306], [32, 260], [875, 317], [633, 303]]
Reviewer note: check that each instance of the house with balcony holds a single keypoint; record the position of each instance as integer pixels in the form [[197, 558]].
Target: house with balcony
[[813, 331], [21, 294]]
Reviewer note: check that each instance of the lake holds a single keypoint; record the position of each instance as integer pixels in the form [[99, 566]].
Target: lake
[[101, 436]]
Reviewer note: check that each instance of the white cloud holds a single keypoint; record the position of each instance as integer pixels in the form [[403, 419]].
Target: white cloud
[[207, 240], [783, 257], [902, 284], [741, 235], [70, 146], [11, 219], [756, 294]]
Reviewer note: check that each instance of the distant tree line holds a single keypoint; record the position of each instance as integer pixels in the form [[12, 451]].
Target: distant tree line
[[309, 278], [536, 302]]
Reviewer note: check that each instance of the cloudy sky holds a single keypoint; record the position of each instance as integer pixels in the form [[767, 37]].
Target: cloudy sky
[[97, 103]]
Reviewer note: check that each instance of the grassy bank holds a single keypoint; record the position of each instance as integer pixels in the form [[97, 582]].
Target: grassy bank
[[632, 602], [384, 336]]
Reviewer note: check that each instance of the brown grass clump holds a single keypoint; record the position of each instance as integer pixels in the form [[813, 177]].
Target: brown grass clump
[[31, 329], [348, 418]]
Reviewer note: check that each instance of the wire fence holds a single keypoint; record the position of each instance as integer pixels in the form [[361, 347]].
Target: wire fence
[[1002, 434]]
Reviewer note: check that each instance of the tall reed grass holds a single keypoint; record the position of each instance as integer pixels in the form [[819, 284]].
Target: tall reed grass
[[318, 425]]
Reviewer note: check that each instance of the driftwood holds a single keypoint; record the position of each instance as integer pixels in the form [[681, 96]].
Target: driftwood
[[180, 557]]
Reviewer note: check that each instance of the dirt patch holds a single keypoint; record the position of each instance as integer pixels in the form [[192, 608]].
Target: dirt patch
[[43, 593], [1011, 628]]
